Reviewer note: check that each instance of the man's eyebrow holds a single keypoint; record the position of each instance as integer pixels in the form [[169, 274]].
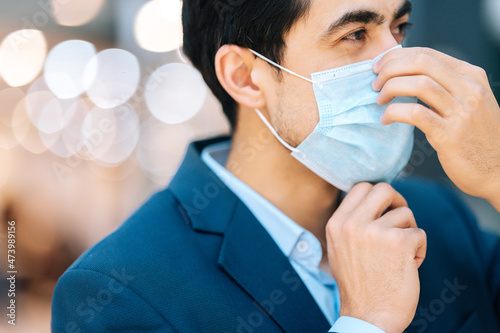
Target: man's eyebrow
[[359, 16], [365, 17], [406, 8]]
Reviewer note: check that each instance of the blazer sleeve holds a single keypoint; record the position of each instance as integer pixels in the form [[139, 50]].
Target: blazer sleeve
[[488, 247], [493, 270], [89, 301]]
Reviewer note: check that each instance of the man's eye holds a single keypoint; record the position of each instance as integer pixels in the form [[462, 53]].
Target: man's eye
[[359, 35], [402, 29]]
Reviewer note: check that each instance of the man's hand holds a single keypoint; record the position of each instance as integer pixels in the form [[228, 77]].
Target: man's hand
[[374, 256], [462, 121]]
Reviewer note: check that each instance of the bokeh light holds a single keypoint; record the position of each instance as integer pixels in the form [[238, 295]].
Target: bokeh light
[[110, 135], [8, 100], [171, 9], [47, 112], [22, 55], [158, 27], [161, 148], [65, 68], [75, 12], [112, 77], [491, 12], [25, 132], [68, 140], [175, 93]]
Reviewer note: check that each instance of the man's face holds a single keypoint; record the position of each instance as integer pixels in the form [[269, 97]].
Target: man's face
[[334, 33]]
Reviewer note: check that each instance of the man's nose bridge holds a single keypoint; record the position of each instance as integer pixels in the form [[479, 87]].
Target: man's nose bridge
[[385, 42]]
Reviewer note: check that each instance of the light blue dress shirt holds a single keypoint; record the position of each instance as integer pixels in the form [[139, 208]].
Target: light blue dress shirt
[[301, 247]]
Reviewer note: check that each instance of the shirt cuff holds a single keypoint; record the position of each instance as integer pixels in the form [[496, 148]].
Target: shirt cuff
[[352, 325]]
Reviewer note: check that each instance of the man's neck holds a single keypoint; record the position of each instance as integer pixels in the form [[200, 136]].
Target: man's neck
[[259, 160]]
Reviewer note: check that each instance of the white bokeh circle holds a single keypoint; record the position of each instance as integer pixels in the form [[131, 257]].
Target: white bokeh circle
[[175, 93], [22, 55], [111, 77], [158, 27], [65, 67], [491, 12], [171, 9], [75, 12], [161, 148], [47, 112], [67, 141], [110, 135], [25, 132]]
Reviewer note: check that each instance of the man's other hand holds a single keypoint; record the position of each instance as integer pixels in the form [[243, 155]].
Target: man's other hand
[[461, 119], [374, 251]]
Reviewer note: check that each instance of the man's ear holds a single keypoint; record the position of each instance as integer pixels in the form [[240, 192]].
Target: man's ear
[[236, 71]]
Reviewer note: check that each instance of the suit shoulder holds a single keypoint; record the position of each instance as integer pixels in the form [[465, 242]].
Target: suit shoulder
[[143, 234], [88, 301]]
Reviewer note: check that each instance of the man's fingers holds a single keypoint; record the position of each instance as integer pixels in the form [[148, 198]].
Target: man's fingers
[[455, 64], [401, 223], [382, 197], [414, 114], [353, 199], [401, 217], [415, 61], [422, 87], [419, 239]]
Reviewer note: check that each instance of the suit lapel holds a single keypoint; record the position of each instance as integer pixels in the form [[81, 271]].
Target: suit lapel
[[248, 253], [202, 195], [252, 259]]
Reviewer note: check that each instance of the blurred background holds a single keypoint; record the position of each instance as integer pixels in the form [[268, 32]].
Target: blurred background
[[97, 106]]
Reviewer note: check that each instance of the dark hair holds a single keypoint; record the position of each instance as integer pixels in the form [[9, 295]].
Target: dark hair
[[257, 24]]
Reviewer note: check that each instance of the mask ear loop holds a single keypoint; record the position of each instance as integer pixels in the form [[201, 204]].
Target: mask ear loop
[[266, 122], [283, 142], [285, 69]]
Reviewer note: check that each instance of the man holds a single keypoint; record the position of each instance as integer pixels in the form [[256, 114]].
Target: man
[[250, 237]]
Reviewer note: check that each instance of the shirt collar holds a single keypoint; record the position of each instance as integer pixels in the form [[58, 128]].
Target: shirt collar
[[294, 241]]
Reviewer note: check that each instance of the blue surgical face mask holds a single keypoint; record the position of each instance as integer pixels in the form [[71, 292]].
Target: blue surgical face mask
[[350, 145]]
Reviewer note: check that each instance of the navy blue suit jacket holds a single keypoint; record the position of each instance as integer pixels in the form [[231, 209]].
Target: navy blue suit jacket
[[194, 259]]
